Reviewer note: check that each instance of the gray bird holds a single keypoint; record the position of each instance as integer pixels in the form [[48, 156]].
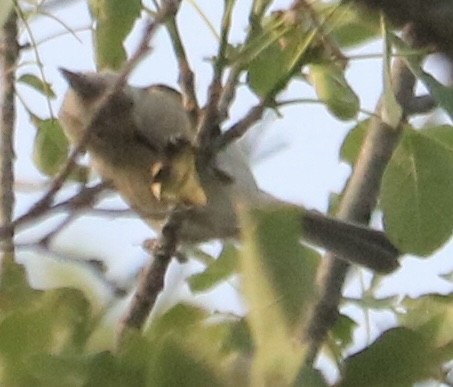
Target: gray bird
[[143, 143]]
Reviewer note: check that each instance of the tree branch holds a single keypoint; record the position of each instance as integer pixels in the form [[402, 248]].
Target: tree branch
[[359, 199], [151, 281], [237, 130], [9, 57]]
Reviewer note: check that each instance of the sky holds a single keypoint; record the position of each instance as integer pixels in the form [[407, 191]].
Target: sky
[[305, 170]]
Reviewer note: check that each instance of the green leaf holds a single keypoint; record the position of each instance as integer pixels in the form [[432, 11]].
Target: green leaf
[[222, 268], [32, 329], [174, 364], [343, 331], [268, 68], [310, 377], [57, 317], [369, 301], [114, 21], [350, 27], [51, 146], [442, 94], [239, 337], [37, 84], [332, 88], [57, 370], [181, 319], [398, 358], [260, 6], [417, 193], [14, 288], [274, 55], [352, 144], [340, 337], [278, 276], [135, 351], [288, 266], [54, 322], [432, 316], [187, 351], [442, 133], [105, 369]]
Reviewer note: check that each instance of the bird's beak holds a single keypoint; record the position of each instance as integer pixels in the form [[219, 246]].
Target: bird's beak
[[73, 78], [81, 84]]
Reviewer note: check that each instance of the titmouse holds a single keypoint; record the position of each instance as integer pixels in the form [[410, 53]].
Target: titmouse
[[132, 140]]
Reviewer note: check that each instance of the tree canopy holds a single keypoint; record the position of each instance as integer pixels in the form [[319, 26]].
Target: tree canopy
[[64, 322]]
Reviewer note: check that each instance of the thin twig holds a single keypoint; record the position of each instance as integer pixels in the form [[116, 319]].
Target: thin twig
[[85, 198], [94, 264], [229, 90], [47, 239], [36, 53], [186, 75], [82, 199], [241, 127], [255, 113], [208, 130]]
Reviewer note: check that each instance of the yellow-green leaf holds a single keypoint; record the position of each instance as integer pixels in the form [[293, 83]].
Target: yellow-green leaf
[[51, 146], [37, 84], [333, 89], [352, 144], [350, 27], [276, 54], [220, 269], [278, 277], [432, 316], [114, 21]]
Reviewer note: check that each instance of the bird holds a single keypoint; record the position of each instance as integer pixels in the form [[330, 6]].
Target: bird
[[144, 143]]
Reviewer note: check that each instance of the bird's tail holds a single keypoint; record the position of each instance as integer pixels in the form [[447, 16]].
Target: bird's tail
[[352, 242]]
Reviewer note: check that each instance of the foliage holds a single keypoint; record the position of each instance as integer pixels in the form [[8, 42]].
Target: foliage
[[53, 337]]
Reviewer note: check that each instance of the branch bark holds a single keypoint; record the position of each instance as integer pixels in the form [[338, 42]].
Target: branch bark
[[152, 279], [9, 58], [359, 200]]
